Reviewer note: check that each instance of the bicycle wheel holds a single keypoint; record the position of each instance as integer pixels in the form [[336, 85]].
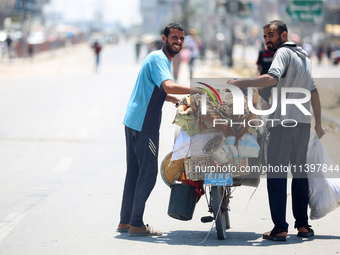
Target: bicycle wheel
[[222, 218]]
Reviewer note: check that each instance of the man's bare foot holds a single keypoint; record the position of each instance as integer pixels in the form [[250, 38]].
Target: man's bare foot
[[303, 229], [283, 234], [123, 226], [276, 235], [144, 231], [134, 230]]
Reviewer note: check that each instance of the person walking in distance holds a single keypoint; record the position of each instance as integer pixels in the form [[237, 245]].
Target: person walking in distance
[[97, 49], [9, 46], [263, 63], [192, 44], [142, 122], [138, 45], [291, 68]]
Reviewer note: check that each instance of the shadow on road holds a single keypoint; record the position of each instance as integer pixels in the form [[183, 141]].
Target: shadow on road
[[196, 238]]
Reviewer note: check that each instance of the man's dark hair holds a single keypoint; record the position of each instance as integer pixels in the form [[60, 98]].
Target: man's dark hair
[[281, 27], [177, 26]]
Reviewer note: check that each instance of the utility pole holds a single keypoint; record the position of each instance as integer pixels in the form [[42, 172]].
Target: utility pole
[[24, 28], [185, 16], [232, 7]]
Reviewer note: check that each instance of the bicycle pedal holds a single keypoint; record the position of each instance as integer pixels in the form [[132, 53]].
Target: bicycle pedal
[[206, 219]]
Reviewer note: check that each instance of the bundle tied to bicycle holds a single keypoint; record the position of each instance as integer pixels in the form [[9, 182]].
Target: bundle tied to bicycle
[[203, 141], [211, 134], [190, 118]]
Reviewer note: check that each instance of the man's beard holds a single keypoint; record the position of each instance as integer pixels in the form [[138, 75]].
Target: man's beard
[[275, 46], [170, 50]]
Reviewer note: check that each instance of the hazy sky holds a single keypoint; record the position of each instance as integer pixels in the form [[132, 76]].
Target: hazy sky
[[125, 11]]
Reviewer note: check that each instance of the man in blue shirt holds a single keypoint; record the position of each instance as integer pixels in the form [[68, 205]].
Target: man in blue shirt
[[142, 122]]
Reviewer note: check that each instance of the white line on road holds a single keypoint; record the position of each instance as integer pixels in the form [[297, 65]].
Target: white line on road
[[63, 164], [9, 223]]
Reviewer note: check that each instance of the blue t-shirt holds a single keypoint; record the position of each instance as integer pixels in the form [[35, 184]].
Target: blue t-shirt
[[144, 110]]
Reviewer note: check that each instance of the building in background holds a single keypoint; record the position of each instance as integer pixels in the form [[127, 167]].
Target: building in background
[[223, 23], [13, 13], [220, 24]]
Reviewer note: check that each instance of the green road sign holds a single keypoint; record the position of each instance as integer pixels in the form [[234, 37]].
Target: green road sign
[[307, 11]]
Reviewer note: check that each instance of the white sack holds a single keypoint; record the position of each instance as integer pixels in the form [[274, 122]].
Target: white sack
[[324, 193], [184, 148], [247, 147]]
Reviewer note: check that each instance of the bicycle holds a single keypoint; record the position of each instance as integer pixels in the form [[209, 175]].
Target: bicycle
[[217, 186]]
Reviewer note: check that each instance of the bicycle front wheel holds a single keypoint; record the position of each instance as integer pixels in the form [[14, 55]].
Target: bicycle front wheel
[[221, 215]]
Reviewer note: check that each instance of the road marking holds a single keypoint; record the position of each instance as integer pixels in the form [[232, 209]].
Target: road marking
[[9, 223], [63, 164]]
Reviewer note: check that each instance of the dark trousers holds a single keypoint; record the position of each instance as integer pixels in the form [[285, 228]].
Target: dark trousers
[[142, 168], [288, 145], [97, 60]]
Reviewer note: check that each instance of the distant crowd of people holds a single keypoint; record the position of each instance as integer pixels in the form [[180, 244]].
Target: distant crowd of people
[[195, 48], [332, 53]]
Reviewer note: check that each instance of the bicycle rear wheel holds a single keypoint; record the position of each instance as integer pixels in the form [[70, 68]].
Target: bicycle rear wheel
[[221, 215]]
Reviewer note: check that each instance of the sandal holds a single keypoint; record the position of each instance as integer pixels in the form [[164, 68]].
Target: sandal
[[150, 231], [306, 234], [123, 230], [272, 235]]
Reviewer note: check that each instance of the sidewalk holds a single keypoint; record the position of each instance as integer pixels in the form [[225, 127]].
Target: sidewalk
[[43, 63]]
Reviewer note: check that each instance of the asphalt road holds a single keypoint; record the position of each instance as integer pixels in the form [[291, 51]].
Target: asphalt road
[[62, 160]]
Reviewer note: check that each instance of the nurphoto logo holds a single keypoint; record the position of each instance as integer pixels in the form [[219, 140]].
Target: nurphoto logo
[[238, 106]]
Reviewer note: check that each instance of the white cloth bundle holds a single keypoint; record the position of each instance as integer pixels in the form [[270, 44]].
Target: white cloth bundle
[[324, 182]]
